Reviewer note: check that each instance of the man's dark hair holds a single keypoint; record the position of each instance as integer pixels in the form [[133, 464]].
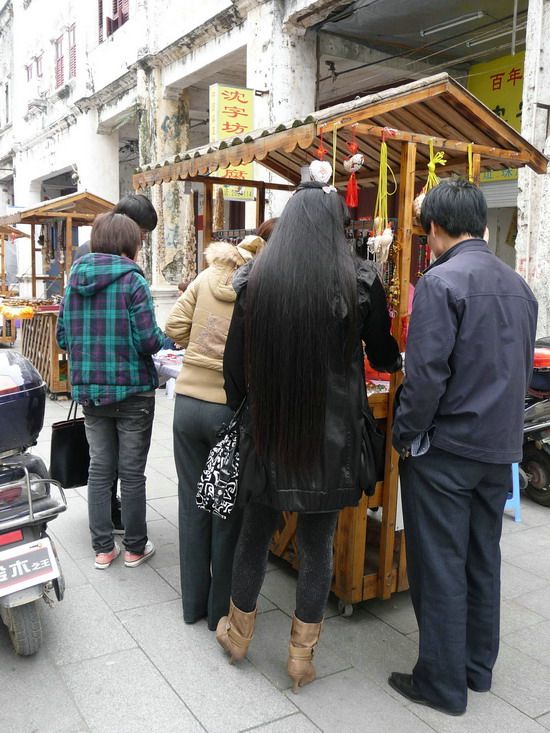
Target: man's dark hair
[[140, 209], [115, 234], [457, 206]]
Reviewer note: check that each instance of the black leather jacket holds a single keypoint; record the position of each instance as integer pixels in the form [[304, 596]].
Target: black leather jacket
[[335, 482]]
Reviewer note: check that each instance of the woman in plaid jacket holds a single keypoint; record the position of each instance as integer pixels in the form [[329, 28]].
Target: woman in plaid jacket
[[107, 325]]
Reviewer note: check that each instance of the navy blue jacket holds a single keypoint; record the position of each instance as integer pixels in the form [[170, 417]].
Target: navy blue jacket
[[469, 357]]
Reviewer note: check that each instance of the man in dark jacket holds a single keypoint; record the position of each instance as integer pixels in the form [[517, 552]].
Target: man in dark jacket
[[458, 429]]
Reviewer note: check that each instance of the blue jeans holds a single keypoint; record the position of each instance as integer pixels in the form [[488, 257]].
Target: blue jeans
[[119, 436]]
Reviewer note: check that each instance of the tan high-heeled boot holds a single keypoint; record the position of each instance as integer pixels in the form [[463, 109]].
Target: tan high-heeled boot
[[235, 631], [303, 640]]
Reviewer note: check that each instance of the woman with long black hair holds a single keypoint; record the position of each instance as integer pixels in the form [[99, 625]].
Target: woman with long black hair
[[295, 351]]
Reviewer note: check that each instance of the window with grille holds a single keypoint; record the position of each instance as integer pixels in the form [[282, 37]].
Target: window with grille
[[28, 69], [39, 70], [59, 70], [72, 51]]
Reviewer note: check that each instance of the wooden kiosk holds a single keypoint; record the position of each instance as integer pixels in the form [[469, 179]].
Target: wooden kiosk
[[39, 344], [369, 554], [8, 325]]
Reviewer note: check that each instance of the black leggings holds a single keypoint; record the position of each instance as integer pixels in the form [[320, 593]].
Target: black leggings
[[315, 533]]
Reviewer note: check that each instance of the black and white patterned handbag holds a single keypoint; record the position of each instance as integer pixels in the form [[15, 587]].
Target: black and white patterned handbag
[[219, 481]]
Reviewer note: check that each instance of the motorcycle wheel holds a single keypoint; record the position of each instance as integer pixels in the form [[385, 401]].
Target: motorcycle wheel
[[536, 465], [25, 628]]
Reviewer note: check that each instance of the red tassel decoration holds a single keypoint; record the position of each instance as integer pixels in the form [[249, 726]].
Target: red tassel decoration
[[352, 193]]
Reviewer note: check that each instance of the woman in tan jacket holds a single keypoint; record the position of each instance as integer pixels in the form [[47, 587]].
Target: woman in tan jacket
[[199, 322]]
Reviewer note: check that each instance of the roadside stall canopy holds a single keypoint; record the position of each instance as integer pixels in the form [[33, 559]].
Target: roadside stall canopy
[[435, 113], [436, 109], [75, 209]]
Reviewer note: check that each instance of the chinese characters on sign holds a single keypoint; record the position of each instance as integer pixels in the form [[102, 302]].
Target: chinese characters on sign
[[231, 115], [499, 85], [25, 565]]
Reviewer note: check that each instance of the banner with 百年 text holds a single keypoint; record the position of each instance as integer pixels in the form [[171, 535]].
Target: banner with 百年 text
[[499, 85]]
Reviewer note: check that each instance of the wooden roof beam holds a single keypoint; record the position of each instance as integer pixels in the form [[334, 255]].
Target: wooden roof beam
[[439, 142]]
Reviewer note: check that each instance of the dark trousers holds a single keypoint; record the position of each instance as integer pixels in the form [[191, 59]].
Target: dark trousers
[[207, 543], [452, 509], [119, 436], [315, 533]]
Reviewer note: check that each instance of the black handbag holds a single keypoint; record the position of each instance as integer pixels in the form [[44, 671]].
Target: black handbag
[[373, 452], [70, 453], [219, 482]]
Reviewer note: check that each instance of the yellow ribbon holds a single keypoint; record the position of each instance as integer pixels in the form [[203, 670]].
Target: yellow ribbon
[[435, 159], [470, 162], [381, 205]]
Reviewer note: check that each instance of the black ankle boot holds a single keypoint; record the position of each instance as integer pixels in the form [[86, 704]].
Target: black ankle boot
[[404, 685]]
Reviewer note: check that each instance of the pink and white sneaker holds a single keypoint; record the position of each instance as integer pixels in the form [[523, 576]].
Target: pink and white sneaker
[[104, 559], [133, 559]]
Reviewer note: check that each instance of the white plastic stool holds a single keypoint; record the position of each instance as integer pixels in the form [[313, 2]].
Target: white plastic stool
[[513, 501]]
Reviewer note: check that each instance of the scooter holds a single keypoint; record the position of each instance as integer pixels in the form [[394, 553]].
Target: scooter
[[535, 465], [29, 566]]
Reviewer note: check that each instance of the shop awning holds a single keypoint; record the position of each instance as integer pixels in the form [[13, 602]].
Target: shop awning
[[81, 208], [12, 232], [436, 108]]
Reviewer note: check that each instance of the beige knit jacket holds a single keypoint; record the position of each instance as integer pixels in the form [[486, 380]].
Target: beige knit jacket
[[199, 321]]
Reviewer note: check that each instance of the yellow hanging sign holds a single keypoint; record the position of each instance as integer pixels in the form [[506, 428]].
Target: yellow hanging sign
[[499, 85], [231, 115]]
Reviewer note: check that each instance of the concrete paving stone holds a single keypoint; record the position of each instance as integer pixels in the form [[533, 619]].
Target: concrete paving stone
[[125, 692], [537, 563], [537, 601], [195, 666], [297, 723], [268, 651], [544, 720], [71, 529], [158, 486], [486, 713], [514, 616], [265, 605], [348, 702], [280, 588], [167, 507], [82, 627], [33, 694], [168, 469], [521, 681], [165, 538], [530, 539], [171, 575], [122, 588], [74, 577], [371, 646], [532, 514], [161, 449], [397, 611], [517, 582], [533, 641]]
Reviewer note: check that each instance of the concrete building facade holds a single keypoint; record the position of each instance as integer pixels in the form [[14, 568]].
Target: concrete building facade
[[89, 91]]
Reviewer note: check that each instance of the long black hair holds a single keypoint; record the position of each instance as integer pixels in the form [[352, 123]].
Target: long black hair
[[301, 295]]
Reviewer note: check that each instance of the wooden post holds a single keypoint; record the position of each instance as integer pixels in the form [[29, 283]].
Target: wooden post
[[260, 204], [68, 252], [3, 280], [33, 262], [476, 167], [207, 217], [404, 241]]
